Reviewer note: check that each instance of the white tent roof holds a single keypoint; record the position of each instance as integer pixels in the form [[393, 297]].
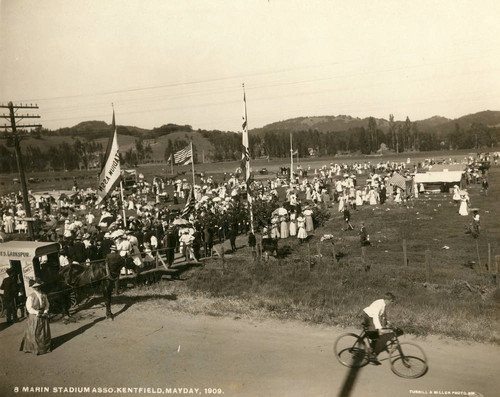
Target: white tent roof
[[438, 177]]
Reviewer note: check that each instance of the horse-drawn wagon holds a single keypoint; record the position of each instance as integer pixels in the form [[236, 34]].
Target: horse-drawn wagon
[[28, 259]]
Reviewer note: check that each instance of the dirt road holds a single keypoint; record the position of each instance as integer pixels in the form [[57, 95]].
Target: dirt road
[[172, 353]]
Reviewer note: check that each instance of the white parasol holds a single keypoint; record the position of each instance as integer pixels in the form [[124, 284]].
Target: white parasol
[[280, 211]]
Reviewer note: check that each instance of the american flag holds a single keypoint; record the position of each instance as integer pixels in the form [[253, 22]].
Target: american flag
[[189, 207], [183, 156], [246, 157]]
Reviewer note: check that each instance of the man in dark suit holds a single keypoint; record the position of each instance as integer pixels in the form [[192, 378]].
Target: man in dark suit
[[209, 240], [170, 242], [10, 291]]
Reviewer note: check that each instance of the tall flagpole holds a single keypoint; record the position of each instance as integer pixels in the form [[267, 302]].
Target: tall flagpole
[[121, 179], [192, 165], [291, 157], [246, 149]]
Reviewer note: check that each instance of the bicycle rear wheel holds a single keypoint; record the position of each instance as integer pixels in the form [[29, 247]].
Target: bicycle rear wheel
[[351, 350], [408, 360]]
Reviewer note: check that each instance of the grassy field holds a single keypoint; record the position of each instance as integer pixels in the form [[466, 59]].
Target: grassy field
[[456, 298], [49, 180]]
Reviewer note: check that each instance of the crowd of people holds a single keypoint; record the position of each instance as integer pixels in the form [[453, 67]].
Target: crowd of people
[[213, 210], [200, 216]]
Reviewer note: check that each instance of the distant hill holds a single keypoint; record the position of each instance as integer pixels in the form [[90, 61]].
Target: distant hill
[[320, 123], [341, 123], [204, 141], [490, 118], [99, 132]]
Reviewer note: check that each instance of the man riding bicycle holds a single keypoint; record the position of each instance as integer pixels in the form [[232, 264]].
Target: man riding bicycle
[[375, 321]]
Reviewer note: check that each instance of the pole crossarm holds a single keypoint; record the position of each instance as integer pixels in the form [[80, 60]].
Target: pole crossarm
[[30, 106], [22, 126], [13, 118]]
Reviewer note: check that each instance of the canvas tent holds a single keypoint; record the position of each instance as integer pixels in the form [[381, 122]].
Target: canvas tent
[[440, 180], [406, 184], [446, 168], [55, 194]]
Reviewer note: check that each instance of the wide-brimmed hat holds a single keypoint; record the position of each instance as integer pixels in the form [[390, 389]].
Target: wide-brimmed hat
[[37, 283]]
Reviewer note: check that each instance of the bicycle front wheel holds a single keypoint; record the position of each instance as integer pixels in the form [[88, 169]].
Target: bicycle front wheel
[[351, 350], [408, 361]]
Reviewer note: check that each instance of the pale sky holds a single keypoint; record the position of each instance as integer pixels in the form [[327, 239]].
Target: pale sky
[[184, 62]]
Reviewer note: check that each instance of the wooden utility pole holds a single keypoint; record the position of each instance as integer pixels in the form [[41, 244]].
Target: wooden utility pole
[[427, 265], [405, 258], [13, 116]]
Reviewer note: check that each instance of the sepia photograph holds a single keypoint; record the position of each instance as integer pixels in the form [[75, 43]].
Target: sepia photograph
[[257, 198]]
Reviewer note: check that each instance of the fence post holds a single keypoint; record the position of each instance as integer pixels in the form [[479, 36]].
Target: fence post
[[318, 247], [497, 260], [479, 258], [427, 266], [489, 258], [309, 254], [405, 258], [222, 256], [333, 252]]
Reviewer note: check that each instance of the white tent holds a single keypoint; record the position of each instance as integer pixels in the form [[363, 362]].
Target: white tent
[[439, 177]]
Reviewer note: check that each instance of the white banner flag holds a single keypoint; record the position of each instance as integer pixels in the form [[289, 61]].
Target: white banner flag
[[110, 174]]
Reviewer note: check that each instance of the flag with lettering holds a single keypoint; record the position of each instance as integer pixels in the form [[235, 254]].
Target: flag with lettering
[[110, 171]]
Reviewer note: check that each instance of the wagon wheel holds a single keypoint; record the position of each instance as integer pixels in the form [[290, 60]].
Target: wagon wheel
[[73, 299]]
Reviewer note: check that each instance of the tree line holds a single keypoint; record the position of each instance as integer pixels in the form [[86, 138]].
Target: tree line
[[396, 137]]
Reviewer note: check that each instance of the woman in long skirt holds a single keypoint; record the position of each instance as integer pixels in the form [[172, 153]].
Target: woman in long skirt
[[293, 224], [284, 226], [456, 194], [301, 224], [275, 230], [309, 220], [37, 337], [464, 204]]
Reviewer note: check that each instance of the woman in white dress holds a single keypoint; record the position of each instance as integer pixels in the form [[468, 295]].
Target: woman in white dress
[[373, 196], [359, 200], [309, 220], [284, 226], [301, 224], [8, 222], [456, 194], [341, 203], [464, 204], [275, 232], [397, 199], [293, 224], [308, 192]]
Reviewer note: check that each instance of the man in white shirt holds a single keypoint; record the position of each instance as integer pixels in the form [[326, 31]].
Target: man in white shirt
[[375, 320]]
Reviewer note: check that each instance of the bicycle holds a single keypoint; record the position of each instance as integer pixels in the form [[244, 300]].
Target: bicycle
[[407, 359]]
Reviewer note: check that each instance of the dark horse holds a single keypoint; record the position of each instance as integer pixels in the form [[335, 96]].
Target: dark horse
[[105, 273]]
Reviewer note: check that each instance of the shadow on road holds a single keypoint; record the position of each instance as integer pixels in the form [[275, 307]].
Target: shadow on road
[[62, 339], [127, 301], [351, 377], [123, 300]]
